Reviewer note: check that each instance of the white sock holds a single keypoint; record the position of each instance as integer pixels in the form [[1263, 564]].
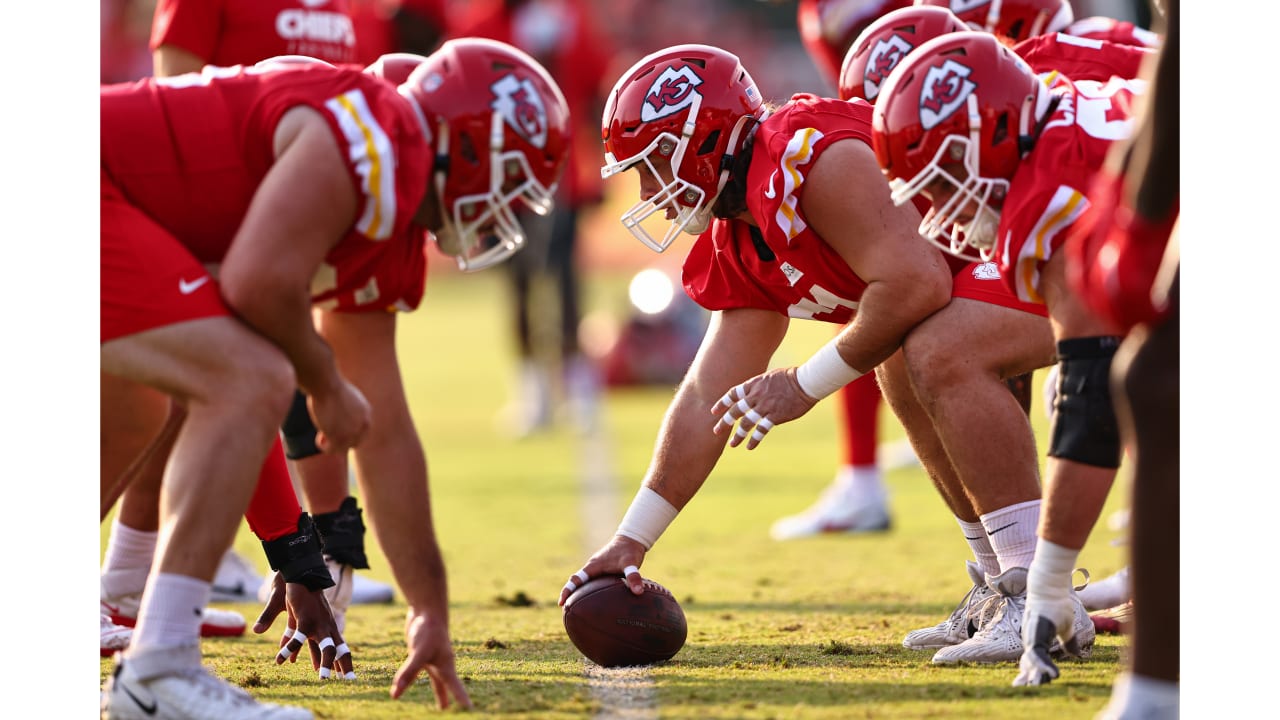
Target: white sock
[[1012, 533], [128, 560], [976, 536], [170, 612], [1049, 577], [861, 482]]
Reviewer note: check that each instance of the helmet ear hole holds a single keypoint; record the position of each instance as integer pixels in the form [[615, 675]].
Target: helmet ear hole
[[1001, 131], [467, 150], [709, 145], [1015, 30]]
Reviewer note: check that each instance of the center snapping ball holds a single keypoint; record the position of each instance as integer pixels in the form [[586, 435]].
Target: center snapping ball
[[614, 627]]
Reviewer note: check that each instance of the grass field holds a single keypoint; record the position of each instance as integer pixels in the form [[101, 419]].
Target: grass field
[[807, 629]]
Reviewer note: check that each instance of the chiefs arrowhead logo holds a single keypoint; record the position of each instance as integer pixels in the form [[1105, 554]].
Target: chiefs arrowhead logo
[[520, 106], [944, 90], [672, 91], [884, 57]]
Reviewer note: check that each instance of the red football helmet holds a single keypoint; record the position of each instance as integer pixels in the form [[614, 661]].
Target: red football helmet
[[1013, 19], [692, 105], [396, 67], [884, 43], [956, 111], [501, 132], [828, 27]]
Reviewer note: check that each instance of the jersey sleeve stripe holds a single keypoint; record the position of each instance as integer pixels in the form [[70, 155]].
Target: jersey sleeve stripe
[[799, 151], [369, 151], [1066, 206]]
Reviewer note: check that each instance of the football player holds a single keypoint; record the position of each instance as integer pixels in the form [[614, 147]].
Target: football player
[[321, 188], [956, 119]]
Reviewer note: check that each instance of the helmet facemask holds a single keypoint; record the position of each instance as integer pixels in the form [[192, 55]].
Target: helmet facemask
[[475, 218], [692, 205], [975, 191]]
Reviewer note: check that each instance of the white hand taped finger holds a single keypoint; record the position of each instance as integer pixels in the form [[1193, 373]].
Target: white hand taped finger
[[324, 673], [326, 643], [743, 407], [757, 435], [765, 425], [341, 650], [630, 569], [740, 432], [740, 389], [752, 416], [582, 575], [729, 419], [726, 399]]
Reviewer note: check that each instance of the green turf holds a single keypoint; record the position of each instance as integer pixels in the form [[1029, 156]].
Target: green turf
[[806, 629]]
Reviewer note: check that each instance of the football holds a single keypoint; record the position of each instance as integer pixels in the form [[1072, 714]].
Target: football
[[615, 628]]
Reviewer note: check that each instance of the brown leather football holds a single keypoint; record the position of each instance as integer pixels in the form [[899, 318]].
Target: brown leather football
[[615, 628]]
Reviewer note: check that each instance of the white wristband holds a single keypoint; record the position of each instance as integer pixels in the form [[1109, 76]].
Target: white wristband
[[647, 518], [825, 372]]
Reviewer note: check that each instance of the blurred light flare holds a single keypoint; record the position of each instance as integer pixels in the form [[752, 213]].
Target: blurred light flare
[[651, 291]]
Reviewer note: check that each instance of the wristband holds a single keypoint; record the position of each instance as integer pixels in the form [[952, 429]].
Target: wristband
[[298, 558], [825, 372], [647, 518], [342, 534]]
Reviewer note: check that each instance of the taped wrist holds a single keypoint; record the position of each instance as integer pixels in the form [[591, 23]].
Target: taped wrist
[[1084, 427], [342, 534], [298, 431], [825, 372], [297, 556], [647, 518]]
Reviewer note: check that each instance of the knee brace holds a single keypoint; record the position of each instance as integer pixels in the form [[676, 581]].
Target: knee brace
[[1084, 427], [342, 534], [297, 430]]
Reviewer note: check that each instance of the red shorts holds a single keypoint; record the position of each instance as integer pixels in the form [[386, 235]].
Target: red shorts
[[982, 281], [149, 279]]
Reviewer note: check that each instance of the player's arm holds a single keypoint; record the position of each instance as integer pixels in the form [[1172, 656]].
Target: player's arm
[[737, 345], [302, 208], [168, 60], [846, 201], [391, 469]]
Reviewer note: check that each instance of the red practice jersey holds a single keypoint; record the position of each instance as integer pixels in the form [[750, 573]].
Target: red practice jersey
[[242, 32], [1112, 30], [1082, 58], [190, 151], [1047, 194], [789, 269]]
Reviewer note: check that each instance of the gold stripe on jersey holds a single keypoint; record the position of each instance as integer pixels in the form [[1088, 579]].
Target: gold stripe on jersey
[[369, 151], [1063, 209], [799, 151]]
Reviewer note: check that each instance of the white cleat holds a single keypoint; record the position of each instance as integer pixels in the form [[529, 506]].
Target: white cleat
[[123, 610], [1109, 592], [367, 591], [835, 511], [964, 621], [1000, 639], [168, 685], [236, 580], [1042, 640], [114, 637]]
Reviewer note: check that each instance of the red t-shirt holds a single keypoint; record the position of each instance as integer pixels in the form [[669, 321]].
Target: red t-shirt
[[242, 32]]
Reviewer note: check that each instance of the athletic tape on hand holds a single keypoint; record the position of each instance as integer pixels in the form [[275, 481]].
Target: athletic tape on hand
[[341, 650], [628, 570], [752, 416], [327, 642]]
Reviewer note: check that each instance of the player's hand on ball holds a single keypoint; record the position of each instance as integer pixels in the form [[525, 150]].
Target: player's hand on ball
[[621, 556], [430, 650], [309, 622]]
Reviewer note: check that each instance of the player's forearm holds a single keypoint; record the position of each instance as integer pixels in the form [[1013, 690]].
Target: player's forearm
[[283, 315], [887, 312], [391, 469], [686, 450]]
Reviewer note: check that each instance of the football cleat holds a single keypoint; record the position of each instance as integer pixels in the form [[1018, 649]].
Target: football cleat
[[367, 591], [1108, 592], [964, 621], [123, 610], [173, 688], [835, 511], [1042, 639], [236, 580], [1000, 639], [114, 637]]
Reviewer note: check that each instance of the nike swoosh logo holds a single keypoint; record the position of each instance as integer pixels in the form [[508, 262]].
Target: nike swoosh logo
[[770, 192], [148, 709], [1006, 527], [186, 288]]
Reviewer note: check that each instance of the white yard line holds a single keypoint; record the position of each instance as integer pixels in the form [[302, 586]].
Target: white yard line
[[626, 693]]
